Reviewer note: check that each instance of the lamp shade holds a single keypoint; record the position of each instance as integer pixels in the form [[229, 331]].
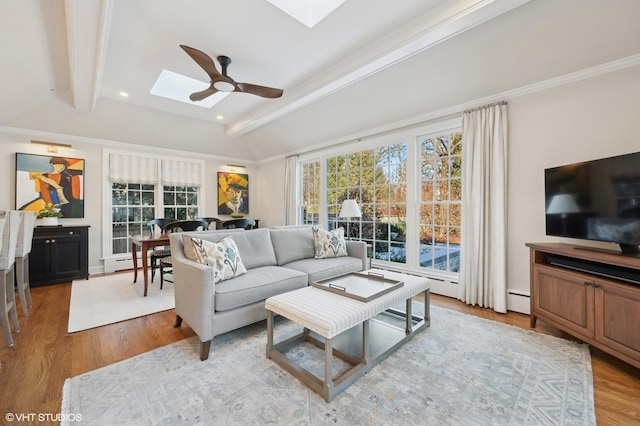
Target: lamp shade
[[563, 203], [350, 209]]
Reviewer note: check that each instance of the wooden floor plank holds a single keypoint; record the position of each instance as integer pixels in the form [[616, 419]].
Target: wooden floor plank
[[33, 372]]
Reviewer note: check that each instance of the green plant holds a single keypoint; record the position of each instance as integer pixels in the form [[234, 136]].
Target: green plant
[[50, 211]]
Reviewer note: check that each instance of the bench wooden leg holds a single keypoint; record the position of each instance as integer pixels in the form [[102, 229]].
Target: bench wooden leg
[[205, 347], [178, 322]]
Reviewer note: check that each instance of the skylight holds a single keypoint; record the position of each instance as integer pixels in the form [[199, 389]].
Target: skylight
[[308, 12], [178, 87]]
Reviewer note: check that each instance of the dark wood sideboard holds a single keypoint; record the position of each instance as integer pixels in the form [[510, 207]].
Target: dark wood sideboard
[[590, 294], [59, 254]]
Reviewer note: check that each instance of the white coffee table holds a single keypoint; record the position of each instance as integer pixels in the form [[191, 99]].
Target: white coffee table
[[345, 328]]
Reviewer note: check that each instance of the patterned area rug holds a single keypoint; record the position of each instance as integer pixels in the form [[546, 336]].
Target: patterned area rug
[[462, 370]]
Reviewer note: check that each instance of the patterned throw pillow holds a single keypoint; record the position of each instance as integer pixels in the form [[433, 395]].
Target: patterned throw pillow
[[329, 243], [222, 256]]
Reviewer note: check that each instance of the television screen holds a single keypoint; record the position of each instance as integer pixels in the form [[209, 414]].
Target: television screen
[[596, 200]]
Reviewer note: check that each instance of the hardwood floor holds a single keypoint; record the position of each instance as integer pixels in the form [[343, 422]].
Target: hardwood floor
[[33, 371]]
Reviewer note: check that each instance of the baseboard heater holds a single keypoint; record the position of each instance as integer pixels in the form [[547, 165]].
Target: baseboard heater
[[595, 268]]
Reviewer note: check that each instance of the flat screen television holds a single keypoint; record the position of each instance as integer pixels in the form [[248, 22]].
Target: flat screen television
[[596, 200]]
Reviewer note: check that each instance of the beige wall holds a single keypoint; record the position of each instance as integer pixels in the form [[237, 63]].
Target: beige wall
[[586, 120]]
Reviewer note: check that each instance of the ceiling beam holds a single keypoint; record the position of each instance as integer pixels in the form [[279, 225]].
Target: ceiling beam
[[440, 25], [87, 35]]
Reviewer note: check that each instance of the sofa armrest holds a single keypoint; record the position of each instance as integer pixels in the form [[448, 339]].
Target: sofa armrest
[[194, 291], [358, 249]]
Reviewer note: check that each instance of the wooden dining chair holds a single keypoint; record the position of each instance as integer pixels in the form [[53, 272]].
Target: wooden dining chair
[[158, 225], [179, 226], [212, 221], [239, 223]]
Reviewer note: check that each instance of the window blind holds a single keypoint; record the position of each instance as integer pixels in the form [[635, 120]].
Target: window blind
[[129, 168], [175, 172]]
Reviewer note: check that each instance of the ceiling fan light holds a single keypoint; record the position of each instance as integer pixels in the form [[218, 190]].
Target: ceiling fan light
[[224, 86]]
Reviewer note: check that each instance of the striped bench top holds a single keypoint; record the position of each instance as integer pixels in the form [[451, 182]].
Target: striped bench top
[[330, 314]]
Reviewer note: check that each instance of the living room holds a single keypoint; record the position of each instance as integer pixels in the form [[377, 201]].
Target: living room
[[569, 75]]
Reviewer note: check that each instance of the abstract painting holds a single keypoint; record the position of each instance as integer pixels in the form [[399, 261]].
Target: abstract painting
[[233, 194], [44, 179]]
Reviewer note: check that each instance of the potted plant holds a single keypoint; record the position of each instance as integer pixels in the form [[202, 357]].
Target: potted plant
[[49, 215]]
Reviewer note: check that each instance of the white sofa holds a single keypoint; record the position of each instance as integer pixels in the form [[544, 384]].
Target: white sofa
[[277, 260]]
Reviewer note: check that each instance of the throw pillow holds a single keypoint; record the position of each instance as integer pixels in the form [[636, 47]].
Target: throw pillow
[[222, 256], [329, 243]]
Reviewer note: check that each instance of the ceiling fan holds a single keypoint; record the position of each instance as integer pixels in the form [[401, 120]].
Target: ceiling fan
[[221, 82]]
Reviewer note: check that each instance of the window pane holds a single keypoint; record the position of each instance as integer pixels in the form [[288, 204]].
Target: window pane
[[128, 216], [133, 198], [440, 209]]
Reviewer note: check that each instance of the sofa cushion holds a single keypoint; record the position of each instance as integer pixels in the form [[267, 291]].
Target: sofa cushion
[[222, 256], [319, 269], [329, 243], [213, 236], [256, 285], [255, 246], [292, 243]]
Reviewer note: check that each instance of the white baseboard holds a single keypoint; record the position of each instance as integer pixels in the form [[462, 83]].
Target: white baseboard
[[518, 301], [118, 264]]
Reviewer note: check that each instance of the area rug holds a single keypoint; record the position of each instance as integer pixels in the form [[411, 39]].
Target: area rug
[[462, 370], [114, 298]]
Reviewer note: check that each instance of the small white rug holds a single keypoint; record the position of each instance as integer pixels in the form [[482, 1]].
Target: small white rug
[[114, 298]]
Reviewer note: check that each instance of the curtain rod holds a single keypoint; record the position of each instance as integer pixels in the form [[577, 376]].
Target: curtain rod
[[486, 106]]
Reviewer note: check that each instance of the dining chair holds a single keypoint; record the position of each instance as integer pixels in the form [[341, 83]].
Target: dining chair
[[239, 223], [211, 221], [179, 226], [10, 226], [23, 248], [155, 226]]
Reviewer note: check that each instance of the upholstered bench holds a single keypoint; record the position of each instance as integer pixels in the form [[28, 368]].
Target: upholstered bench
[[335, 321]]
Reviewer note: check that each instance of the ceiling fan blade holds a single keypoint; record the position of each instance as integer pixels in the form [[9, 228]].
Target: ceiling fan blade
[[265, 92], [205, 62], [198, 96]]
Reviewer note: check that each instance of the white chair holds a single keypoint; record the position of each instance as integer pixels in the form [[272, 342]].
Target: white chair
[[11, 227], [23, 248]]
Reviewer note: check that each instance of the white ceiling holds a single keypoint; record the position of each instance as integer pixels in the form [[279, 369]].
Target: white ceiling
[[367, 65]]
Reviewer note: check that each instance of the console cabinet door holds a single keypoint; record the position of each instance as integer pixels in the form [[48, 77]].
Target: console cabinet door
[[66, 256], [58, 255], [565, 298], [39, 261], [617, 310]]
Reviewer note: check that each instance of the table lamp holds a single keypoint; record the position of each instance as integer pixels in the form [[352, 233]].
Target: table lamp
[[349, 209]]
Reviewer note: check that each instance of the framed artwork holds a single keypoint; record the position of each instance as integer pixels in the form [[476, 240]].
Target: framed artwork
[[233, 193], [44, 179]]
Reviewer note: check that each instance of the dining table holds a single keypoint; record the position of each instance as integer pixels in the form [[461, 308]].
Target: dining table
[[145, 243]]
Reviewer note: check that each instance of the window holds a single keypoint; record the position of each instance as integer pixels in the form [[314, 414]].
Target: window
[[146, 187], [440, 201], [132, 205], [376, 179], [310, 209], [409, 188], [180, 202]]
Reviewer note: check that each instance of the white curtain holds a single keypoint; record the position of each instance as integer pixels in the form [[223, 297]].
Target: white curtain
[[483, 268], [290, 193]]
